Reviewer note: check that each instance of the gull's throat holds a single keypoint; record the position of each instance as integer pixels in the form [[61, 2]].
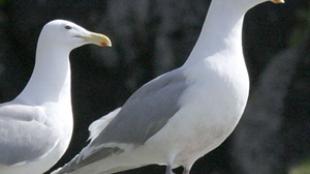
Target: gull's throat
[[50, 80], [222, 30]]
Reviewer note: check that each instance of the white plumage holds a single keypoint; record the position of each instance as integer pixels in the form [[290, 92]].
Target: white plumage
[[184, 114], [36, 127]]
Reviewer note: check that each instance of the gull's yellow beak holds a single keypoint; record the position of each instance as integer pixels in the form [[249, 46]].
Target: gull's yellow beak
[[278, 1], [98, 39]]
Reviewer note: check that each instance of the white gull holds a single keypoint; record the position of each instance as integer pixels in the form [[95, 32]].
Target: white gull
[[182, 115], [36, 127]]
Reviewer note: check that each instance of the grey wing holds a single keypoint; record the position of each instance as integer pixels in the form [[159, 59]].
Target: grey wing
[[23, 140], [146, 111], [144, 114]]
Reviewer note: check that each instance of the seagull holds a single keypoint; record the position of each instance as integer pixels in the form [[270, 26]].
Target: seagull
[[36, 127], [181, 115]]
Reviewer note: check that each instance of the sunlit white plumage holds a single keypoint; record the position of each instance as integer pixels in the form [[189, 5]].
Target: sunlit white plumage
[[36, 127], [182, 115]]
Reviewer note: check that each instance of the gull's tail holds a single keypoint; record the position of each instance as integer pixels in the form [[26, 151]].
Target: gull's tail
[[91, 154], [82, 163], [106, 161]]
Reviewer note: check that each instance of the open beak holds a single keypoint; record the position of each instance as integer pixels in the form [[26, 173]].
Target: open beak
[[98, 39], [278, 1]]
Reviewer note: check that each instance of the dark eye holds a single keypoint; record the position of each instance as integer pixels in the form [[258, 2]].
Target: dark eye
[[68, 27]]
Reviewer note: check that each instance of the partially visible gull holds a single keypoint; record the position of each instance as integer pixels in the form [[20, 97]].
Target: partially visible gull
[[182, 115], [36, 127]]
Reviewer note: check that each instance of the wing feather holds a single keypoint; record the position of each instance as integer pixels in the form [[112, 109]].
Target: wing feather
[[24, 134], [146, 111]]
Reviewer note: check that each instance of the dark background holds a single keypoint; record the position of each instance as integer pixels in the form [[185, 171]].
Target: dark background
[[151, 37]]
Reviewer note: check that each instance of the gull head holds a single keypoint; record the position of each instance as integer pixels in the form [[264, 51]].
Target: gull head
[[70, 35]]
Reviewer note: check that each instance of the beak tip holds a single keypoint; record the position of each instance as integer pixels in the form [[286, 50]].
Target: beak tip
[[106, 44], [99, 39], [106, 41], [278, 1]]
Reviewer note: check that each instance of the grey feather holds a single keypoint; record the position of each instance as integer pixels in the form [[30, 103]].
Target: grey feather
[[143, 114], [146, 111], [80, 161], [24, 134]]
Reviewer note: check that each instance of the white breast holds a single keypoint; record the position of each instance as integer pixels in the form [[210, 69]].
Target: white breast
[[212, 106]]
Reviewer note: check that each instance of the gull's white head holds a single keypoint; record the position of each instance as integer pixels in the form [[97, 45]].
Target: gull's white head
[[70, 35]]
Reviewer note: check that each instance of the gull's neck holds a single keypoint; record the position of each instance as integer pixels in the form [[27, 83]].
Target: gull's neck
[[222, 30], [51, 77]]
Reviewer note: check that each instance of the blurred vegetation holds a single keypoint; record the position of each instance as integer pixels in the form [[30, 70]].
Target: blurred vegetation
[[2, 2], [303, 26], [299, 34], [303, 168]]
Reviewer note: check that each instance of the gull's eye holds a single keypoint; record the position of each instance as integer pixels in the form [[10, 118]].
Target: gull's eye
[[68, 27]]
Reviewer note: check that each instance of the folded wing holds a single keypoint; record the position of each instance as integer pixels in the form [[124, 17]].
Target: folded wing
[[143, 115], [24, 134]]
